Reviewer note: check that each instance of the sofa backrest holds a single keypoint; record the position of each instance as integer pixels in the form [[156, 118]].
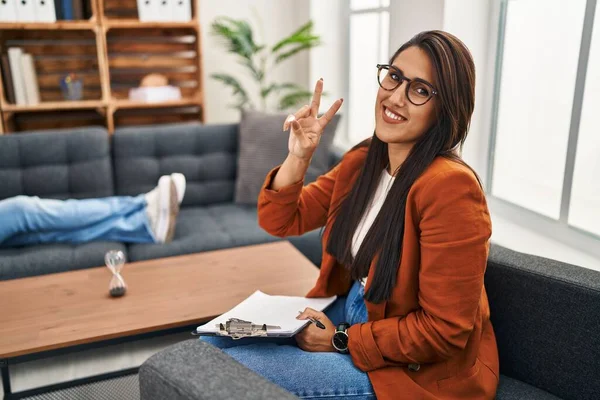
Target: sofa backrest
[[546, 316], [65, 163], [205, 154]]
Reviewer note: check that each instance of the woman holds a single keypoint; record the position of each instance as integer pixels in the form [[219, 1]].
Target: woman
[[406, 233]]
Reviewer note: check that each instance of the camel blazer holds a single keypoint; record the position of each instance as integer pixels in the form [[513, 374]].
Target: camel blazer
[[433, 338]]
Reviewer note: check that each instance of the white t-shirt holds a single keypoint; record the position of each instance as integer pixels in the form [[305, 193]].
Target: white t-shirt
[[383, 188]]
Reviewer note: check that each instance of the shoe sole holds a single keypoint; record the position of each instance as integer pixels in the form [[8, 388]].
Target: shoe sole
[[164, 190], [173, 211]]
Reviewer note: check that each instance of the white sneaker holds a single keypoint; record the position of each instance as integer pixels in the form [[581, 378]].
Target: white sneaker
[[179, 181], [162, 208]]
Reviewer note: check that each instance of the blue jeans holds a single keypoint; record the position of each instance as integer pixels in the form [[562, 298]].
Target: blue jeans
[[305, 374], [31, 220]]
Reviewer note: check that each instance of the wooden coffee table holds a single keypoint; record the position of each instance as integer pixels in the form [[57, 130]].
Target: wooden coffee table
[[51, 314]]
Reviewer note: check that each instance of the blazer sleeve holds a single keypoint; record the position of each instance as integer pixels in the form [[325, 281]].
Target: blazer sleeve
[[455, 230], [294, 209]]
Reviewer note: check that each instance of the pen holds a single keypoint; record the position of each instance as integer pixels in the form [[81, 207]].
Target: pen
[[318, 323]]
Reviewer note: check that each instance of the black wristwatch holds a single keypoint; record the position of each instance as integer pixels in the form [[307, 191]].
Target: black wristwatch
[[340, 338]]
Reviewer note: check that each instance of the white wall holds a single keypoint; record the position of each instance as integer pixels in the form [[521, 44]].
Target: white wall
[[409, 17], [278, 19], [329, 61], [469, 20]]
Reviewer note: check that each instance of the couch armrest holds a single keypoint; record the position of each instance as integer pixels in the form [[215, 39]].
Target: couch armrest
[[545, 313], [196, 370]]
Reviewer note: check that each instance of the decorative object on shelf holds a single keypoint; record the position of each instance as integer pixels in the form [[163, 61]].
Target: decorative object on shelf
[[72, 87], [115, 260], [260, 60], [155, 88]]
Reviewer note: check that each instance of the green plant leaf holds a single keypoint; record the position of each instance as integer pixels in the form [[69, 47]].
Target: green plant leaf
[[276, 87], [294, 98], [237, 34], [304, 46], [238, 90], [300, 35], [256, 72]]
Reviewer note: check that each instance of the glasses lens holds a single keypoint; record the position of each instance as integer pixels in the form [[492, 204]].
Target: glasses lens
[[418, 92], [388, 80]]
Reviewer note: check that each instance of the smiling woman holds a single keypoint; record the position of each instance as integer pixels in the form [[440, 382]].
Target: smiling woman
[[406, 236]]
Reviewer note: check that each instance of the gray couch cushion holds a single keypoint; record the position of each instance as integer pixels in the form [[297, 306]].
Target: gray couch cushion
[[205, 154], [217, 227], [66, 163], [196, 370], [50, 258], [512, 389], [206, 228], [263, 145], [546, 316]]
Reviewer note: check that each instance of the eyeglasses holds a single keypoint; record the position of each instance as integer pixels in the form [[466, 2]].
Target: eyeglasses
[[418, 91]]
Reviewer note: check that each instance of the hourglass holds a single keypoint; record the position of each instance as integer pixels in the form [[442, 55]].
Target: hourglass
[[115, 260]]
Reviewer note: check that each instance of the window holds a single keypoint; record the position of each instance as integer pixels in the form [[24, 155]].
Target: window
[[369, 45], [545, 144]]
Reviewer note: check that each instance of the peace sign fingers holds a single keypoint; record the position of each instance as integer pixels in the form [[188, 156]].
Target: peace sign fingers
[[316, 99], [328, 116]]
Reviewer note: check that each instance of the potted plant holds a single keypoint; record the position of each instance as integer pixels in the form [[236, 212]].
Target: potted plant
[[260, 60]]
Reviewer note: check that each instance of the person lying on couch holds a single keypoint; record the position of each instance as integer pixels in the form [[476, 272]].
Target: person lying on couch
[[405, 244], [146, 218]]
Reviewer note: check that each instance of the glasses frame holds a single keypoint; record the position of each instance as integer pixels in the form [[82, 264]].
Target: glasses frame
[[402, 79]]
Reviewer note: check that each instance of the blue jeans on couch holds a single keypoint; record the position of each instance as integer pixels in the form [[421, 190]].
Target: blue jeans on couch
[[307, 375], [31, 220]]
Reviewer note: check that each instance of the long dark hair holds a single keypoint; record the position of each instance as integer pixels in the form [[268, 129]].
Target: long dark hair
[[455, 73]]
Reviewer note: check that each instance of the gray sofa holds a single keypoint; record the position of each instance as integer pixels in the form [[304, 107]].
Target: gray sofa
[[86, 162], [546, 316]]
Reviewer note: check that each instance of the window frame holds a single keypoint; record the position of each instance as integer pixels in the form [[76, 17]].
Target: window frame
[[346, 139]]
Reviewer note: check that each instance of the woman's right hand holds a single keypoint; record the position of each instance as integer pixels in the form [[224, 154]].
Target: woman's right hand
[[307, 127]]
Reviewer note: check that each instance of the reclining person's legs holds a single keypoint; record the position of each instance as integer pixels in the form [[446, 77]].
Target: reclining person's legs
[[145, 218], [24, 215]]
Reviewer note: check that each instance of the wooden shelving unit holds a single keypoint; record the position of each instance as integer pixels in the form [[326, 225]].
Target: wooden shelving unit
[[111, 51], [59, 25], [55, 105]]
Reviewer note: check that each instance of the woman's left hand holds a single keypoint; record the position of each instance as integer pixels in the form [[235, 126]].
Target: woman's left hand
[[313, 338]]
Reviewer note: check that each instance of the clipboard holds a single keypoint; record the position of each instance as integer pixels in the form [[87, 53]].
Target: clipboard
[[236, 328], [262, 315]]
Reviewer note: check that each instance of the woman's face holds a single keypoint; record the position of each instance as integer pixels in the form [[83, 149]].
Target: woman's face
[[415, 120]]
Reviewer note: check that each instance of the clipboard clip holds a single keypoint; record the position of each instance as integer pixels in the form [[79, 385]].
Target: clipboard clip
[[237, 328]]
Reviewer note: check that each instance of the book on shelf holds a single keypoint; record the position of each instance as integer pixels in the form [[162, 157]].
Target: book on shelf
[[32, 90], [9, 90], [182, 10], [14, 58], [77, 9], [30, 10], [8, 11], [67, 9], [73, 10], [20, 77], [164, 10], [44, 11], [25, 10]]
